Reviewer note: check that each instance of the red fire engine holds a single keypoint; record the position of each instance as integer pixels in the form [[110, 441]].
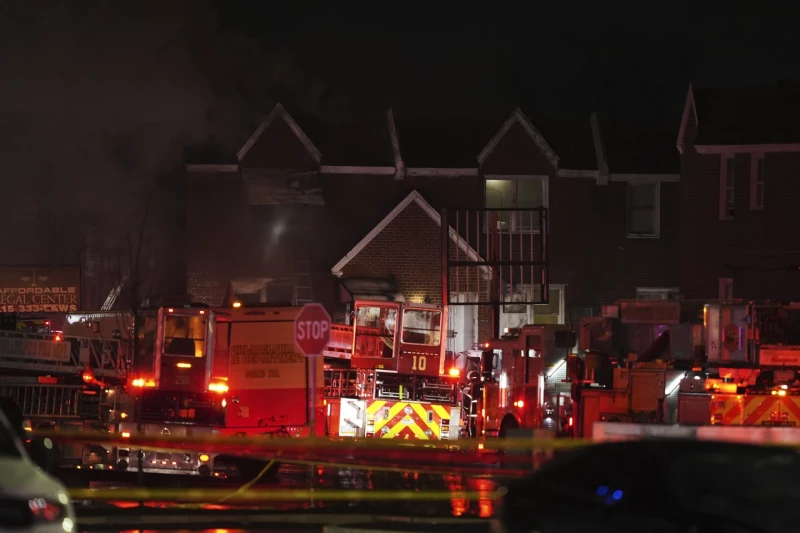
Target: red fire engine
[[399, 383], [88, 378], [659, 362], [512, 387]]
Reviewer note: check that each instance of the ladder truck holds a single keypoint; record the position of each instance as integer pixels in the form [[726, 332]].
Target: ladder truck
[[388, 375], [54, 381], [95, 377]]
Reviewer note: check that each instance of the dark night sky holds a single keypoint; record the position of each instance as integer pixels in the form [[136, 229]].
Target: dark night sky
[[117, 89], [626, 58]]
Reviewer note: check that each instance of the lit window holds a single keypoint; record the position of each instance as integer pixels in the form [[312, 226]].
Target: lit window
[[184, 336], [727, 181], [643, 210], [552, 312], [517, 193], [757, 182]]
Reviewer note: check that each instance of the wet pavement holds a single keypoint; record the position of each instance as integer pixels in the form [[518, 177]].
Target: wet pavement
[[358, 486]]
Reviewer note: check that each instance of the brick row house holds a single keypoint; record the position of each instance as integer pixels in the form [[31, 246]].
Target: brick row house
[[740, 162], [355, 210]]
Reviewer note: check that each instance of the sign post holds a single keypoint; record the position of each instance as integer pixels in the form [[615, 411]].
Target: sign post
[[312, 333]]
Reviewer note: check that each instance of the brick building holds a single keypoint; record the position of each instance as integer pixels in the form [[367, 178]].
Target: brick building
[[365, 199], [740, 158]]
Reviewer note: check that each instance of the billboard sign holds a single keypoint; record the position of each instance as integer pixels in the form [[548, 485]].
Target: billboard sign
[[33, 289]]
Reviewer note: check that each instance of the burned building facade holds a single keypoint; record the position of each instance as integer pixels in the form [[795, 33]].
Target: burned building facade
[[310, 211]]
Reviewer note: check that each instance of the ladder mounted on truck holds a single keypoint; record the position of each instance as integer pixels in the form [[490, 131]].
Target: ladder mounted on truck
[[53, 401], [56, 354]]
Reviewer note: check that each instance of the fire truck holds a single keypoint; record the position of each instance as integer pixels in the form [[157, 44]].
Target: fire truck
[[651, 362], [511, 388], [388, 375], [95, 377]]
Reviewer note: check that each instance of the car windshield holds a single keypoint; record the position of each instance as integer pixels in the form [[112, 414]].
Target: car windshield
[[9, 446]]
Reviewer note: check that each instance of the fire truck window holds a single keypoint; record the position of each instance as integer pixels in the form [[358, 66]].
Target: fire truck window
[[780, 326], [375, 326], [421, 326], [184, 336]]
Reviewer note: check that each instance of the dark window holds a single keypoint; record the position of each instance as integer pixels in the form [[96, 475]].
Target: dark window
[[643, 210]]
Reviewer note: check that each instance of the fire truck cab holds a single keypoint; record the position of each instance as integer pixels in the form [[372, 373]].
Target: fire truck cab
[[399, 385], [513, 376]]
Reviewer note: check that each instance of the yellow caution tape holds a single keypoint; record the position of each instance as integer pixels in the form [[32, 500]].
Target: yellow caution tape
[[209, 495], [304, 444], [241, 490]]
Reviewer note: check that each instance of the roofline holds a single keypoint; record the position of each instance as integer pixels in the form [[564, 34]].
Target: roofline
[[746, 148], [345, 169], [634, 176], [414, 196], [474, 172], [442, 172], [280, 112], [685, 117], [647, 178], [191, 167], [518, 116]]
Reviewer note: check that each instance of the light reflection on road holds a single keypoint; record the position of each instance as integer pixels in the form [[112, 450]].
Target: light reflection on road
[[296, 477]]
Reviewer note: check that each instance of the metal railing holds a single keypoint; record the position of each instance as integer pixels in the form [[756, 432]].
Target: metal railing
[[69, 355], [52, 401], [340, 383]]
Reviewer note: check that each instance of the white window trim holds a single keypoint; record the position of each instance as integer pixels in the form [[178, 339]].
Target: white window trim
[[545, 193], [656, 207], [657, 290], [754, 159], [725, 159], [724, 283], [561, 287]]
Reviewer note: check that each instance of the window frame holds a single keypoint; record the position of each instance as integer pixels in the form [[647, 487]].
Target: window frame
[[756, 180], [726, 161], [665, 291], [545, 181], [656, 209], [202, 341], [417, 309], [531, 308]]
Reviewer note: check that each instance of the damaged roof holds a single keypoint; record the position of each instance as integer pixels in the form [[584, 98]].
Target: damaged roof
[[457, 142]]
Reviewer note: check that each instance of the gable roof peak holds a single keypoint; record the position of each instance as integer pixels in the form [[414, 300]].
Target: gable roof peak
[[435, 216], [280, 112], [518, 117]]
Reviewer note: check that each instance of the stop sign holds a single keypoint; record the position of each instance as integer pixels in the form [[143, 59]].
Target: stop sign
[[312, 329]]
